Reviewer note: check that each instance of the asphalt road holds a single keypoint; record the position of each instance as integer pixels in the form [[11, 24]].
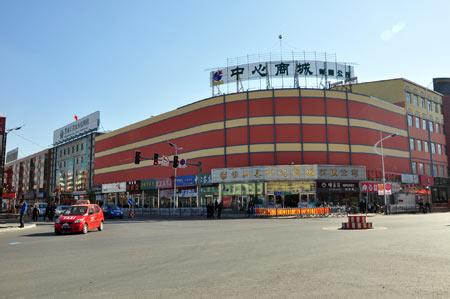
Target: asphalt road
[[404, 256]]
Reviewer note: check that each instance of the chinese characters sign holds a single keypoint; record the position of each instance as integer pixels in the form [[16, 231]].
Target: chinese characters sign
[[281, 69], [288, 173], [82, 126]]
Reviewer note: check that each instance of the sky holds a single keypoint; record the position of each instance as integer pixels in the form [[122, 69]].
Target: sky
[[134, 59]]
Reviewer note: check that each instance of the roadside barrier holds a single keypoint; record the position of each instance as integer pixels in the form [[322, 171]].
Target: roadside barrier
[[357, 222], [275, 212]]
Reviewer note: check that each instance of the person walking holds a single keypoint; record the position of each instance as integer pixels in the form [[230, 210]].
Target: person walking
[[219, 210], [23, 211], [35, 214]]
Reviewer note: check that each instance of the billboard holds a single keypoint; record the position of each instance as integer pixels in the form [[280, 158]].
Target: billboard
[[77, 128], [281, 69], [12, 155]]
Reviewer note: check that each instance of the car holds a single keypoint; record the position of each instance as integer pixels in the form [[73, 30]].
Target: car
[[113, 212], [61, 209], [80, 218]]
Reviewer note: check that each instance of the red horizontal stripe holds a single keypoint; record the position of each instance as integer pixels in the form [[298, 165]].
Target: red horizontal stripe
[[375, 114], [184, 121]]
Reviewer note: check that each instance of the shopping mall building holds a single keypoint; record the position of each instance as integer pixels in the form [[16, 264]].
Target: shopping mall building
[[281, 146]]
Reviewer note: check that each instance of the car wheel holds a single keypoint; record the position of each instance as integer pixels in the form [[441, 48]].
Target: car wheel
[[85, 228], [100, 228]]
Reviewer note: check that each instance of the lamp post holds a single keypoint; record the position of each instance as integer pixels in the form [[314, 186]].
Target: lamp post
[[175, 201], [2, 162], [382, 164]]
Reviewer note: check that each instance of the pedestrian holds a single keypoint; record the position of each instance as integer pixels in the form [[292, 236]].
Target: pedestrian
[[52, 211], [47, 213], [219, 210], [209, 209], [216, 206], [23, 211], [35, 214]]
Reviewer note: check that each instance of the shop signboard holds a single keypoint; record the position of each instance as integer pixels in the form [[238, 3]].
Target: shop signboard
[[148, 184], [133, 185], [369, 187], [288, 173], [388, 189], [410, 178], [186, 180], [164, 183], [205, 179], [187, 193], [337, 186], [281, 69], [114, 187]]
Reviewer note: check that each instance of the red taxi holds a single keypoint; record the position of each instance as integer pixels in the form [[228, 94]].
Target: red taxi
[[81, 217]]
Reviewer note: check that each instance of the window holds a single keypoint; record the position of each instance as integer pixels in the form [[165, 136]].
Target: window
[[419, 145], [441, 170], [415, 100], [438, 108], [64, 151], [425, 146], [429, 105], [424, 124], [439, 149], [414, 167], [410, 120], [60, 152], [73, 149], [77, 148], [65, 166], [430, 125], [422, 103], [427, 169], [408, 97], [437, 128], [420, 168], [82, 145], [60, 164], [433, 148], [417, 122], [411, 144], [434, 170]]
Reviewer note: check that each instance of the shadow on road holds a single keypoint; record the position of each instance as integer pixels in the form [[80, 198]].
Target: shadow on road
[[46, 234]]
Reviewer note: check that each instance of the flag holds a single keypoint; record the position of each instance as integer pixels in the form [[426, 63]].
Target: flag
[[75, 117]]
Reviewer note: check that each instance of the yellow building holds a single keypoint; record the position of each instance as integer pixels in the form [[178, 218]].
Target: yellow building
[[424, 122]]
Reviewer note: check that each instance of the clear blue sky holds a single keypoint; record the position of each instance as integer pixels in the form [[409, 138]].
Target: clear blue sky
[[134, 59]]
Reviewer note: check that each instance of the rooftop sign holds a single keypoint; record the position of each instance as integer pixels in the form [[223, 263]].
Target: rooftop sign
[[77, 128]]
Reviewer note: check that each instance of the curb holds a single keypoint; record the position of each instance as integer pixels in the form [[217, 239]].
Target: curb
[[16, 228]]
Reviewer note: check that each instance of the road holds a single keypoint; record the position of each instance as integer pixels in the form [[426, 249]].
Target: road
[[404, 256]]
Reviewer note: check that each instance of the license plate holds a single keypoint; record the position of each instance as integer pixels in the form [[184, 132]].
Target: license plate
[[65, 225]]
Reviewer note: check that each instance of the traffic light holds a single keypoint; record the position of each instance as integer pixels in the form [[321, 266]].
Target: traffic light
[[175, 162], [155, 159], [137, 157]]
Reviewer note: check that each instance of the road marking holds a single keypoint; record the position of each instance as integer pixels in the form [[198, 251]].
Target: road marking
[[14, 243]]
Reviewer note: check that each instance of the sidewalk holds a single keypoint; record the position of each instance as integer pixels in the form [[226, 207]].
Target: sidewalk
[[15, 227]]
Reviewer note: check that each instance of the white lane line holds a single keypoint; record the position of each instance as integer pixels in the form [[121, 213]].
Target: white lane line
[[14, 243]]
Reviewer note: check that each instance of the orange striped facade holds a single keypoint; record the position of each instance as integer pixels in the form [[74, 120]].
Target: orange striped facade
[[273, 127]]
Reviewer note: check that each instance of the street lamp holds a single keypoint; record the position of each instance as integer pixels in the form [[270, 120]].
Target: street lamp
[[2, 162], [382, 164], [175, 201]]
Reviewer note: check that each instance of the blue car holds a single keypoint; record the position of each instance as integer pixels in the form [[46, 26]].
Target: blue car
[[113, 212]]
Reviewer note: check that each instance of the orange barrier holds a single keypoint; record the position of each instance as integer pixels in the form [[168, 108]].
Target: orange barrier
[[292, 211]]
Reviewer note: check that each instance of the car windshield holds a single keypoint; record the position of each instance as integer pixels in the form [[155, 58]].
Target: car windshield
[[76, 210]]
